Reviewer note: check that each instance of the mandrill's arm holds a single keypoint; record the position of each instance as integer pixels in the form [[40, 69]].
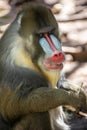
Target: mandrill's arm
[[39, 100]]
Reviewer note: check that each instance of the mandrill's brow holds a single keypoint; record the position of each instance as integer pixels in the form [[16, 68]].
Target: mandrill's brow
[[46, 30]]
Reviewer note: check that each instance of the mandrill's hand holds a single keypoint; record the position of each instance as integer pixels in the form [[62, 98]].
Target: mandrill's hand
[[77, 95], [83, 100]]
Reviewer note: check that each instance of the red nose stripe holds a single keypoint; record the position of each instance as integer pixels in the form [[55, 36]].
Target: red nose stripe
[[50, 42]]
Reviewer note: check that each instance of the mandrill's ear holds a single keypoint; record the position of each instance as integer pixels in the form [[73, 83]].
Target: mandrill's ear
[[19, 18], [21, 27]]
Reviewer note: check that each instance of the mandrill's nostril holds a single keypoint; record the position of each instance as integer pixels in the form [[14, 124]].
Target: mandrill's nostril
[[55, 55], [58, 54], [58, 57]]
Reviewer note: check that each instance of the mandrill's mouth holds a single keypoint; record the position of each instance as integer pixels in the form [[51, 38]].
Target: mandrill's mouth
[[52, 65]]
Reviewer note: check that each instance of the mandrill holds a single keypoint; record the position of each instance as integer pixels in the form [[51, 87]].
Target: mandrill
[[31, 59]]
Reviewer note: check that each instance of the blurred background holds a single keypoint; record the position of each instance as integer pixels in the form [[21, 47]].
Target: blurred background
[[71, 16]]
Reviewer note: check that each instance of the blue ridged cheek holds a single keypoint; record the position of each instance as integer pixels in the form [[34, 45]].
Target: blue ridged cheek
[[45, 46], [56, 42]]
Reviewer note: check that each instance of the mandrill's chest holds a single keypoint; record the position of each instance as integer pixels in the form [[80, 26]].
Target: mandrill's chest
[[53, 77]]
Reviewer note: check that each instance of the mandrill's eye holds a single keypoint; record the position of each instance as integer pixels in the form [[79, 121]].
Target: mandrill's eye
[[41, 35]]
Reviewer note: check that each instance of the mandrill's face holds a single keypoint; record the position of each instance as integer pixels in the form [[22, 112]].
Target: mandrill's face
[[42, 46]]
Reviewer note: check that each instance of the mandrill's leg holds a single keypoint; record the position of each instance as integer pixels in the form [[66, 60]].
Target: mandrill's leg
[[34, 121]]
